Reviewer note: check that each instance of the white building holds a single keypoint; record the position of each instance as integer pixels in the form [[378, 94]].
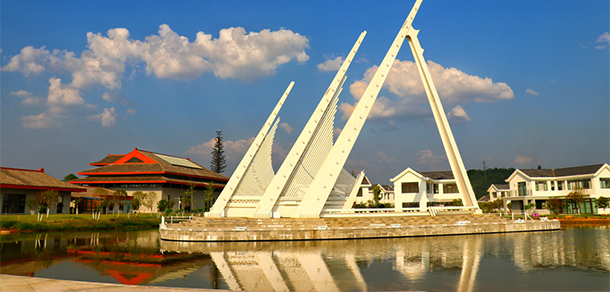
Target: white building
[[423, 189], [536, 186], [498, 191]]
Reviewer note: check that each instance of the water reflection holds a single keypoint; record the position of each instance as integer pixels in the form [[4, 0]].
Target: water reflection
[[456, 263]]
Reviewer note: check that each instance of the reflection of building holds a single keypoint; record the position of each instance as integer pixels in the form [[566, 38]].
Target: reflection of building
[[536, 186], [18, 185], [168, 176], [422, 189]]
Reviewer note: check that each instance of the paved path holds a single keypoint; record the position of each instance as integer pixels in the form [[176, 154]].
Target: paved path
[[33, 284]]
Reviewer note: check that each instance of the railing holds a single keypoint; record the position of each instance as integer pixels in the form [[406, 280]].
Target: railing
[[517, 193], [179, 218], [435, 210]]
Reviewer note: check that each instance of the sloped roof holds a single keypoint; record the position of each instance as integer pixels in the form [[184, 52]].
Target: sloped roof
[[89, 192], [150, 163], [111, 158], [149, 179], [501, 186], [33, 179], [568, 171], [438, 174]]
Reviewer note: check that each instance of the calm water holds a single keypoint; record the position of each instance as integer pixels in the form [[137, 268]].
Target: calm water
[[568, 260]]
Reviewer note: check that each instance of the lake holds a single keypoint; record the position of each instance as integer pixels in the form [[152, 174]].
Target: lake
[[572, 259]]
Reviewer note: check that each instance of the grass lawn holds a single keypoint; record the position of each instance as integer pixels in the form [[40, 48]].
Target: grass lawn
[[65, 222]]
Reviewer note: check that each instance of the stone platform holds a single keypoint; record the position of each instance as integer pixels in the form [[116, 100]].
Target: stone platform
[[289, 229]]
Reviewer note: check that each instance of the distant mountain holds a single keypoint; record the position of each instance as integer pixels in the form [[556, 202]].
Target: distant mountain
[[482, 180]]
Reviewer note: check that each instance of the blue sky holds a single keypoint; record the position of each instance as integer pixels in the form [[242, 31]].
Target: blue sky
[[524, 83]]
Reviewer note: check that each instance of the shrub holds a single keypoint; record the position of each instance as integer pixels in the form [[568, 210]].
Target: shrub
[[168, 211]]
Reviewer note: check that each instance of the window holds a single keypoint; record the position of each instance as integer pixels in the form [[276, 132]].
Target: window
[[494, 195], [541, 186], [552, 186], [560, 185], [435, 186], [13, 203], [410, 187], [579, 184], [450, 188], [359, 194], [604, 183]]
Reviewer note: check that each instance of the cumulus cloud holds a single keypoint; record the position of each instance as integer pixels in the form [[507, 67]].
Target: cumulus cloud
[[427, 157], [454, 87], [382, 157], [603, 41], [522, 160], [235, 54], [531, 92], [28, 98], [457, 115], [287, 128], [32, 61], [331, 65], [41, 121], [234, 150], [107, 117]]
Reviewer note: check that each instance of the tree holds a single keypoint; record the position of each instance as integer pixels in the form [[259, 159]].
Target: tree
[[376, 192], [209, 197], [218, 163], [162, 205], [149, 200], [70, 177], [33, 205], [576, 197], [119, 200], [555, 205], [47, 199], [138, 199], [76, 203], [602, 202], [102, 193], [188, 195]]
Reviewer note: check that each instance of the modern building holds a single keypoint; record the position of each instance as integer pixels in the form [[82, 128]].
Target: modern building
[[536, 186], [18, 185], [423, 189], [88, 201], [167, 176]]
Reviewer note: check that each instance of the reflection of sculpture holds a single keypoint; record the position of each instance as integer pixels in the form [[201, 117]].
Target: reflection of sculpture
[[311, 180]]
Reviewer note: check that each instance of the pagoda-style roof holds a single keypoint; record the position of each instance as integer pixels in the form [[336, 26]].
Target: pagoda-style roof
[[140, 166], [16, 178]]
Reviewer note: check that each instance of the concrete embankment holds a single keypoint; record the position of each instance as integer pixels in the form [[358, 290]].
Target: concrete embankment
[[33, 284], [251, 229]]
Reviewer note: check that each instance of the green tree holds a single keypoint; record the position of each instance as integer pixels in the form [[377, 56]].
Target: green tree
[[162, 205], [137, 200], [554, 205], [208, 200], [576, 197], [48, 199], [376, 192], [104, 196], [70, 177], [602, 202], [33, 205], [149, 200], [188, 195], [118, 200], [76, 203], [218, 163]]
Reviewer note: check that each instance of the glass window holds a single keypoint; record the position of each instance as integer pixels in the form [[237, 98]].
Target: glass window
[[579, 184], [410, 187], [13, 203], [560, 185], [604, 183], [450, 188]]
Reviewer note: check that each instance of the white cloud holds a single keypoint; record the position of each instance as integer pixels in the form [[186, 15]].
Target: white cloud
[[234, 54], [523, 160], [604, 41], [532, 92], [382, 157], [426, 157], [454, 87], [62, 97], [107, 117], [32, 61], [131, 111], [331, 65], [234, 150], [41, 121], [287, 128], [28, 98], [457, 115]]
